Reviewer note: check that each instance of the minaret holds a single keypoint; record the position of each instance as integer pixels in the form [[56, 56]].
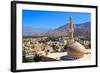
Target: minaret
[[71, 38]]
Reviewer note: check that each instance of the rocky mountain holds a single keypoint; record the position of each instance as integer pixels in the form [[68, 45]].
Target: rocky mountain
[[82, 29]]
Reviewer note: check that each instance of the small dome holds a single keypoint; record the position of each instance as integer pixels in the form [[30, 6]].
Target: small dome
[[76, 50]]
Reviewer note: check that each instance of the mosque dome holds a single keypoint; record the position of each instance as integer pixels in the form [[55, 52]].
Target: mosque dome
[[76, 50]]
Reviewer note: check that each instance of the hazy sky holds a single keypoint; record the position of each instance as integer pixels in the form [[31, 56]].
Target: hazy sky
[[51, 20]]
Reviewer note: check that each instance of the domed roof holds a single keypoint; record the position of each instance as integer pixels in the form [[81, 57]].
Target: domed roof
[[76, 49]]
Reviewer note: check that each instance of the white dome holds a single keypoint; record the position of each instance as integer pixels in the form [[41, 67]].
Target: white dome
[[76, 50]]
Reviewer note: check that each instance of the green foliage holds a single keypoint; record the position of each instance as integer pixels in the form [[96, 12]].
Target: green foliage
[[90, 45], [65, 46], [86, 38], [27, 60], [52, 38]]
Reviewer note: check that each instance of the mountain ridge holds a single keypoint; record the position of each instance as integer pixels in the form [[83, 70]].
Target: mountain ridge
[[82, 29]]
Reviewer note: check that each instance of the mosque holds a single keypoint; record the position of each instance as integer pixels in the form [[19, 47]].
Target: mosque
[[75, 49]]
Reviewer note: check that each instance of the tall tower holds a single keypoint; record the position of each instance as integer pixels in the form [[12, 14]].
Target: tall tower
[[71, 30]]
